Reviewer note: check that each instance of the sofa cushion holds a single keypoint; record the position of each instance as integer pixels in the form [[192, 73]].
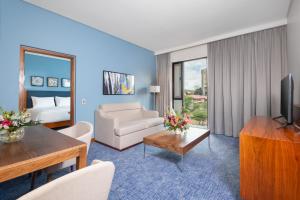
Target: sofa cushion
[[128, 127], [153, 121], [121, 106], [127, 115]]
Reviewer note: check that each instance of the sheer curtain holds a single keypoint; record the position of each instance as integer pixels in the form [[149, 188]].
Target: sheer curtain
[[244, 75], [164, 80]]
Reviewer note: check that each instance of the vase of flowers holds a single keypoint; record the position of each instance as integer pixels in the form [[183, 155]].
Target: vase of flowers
[[177, 123], [12, 125]]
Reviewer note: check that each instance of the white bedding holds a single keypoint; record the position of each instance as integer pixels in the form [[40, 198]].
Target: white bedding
[[49, 115]]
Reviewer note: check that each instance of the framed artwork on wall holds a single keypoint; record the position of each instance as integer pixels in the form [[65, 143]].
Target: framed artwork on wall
[[65, 82], [115, 83], [37, 81], [52, 82]]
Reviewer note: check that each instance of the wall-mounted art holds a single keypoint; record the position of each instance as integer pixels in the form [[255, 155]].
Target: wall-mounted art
[[37, 81], [115, 83], [52, 82], [65, 82]]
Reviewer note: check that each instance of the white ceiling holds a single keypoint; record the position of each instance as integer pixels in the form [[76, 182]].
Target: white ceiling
[[160, 25]]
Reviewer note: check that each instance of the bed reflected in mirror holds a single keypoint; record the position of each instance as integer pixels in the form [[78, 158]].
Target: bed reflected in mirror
[[46, 89]]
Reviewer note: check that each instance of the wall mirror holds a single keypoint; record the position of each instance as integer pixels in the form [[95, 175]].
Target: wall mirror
[[47, 86]]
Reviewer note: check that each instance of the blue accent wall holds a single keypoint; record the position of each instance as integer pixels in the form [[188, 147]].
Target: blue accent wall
[[36, 65], [24, 24]]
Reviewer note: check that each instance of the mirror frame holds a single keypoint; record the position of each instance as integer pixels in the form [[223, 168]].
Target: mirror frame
[[22, 90]]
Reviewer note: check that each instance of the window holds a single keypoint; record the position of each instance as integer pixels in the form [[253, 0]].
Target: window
[[190, 90]]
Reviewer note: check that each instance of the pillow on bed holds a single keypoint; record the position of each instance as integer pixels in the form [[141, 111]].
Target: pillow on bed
[[43, 102], [62, 101]]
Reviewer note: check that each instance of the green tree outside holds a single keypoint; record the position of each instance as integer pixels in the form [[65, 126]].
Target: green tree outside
[[197, 110]]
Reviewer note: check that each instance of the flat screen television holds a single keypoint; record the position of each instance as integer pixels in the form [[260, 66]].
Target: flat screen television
[[287, 95]]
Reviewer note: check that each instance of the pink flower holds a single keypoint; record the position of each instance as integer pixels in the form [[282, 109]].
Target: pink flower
[[172, 123], [6, 123]]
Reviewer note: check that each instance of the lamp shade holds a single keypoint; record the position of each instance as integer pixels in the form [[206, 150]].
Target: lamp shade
[[154, 88]]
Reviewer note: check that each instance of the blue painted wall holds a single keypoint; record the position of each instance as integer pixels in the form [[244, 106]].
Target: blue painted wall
[[24, 24], [36, 65]]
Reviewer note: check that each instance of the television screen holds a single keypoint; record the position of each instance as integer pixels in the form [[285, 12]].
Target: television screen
[[287, 90], [115, 83]]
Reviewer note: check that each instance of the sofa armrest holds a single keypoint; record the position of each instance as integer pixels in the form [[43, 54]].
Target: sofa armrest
[[105, 126], [107, 120], [150, 113]]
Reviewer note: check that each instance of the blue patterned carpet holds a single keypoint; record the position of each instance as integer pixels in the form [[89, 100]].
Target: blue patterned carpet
[[207, 175]]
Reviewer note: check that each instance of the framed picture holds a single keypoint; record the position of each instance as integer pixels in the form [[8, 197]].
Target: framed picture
[[37, 81], [115, 83], [52, 82], [65, 82]]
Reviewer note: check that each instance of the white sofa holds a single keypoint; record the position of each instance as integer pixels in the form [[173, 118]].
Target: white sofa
[[123, 125]]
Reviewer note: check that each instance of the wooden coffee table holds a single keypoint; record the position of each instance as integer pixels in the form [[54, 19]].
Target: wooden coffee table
[[179, 144]]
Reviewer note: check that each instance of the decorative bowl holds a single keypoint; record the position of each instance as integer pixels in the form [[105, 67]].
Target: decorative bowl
[[13, 136]]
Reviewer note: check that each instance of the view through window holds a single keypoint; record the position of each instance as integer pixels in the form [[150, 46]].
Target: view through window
[[191, 89], [195, 90]]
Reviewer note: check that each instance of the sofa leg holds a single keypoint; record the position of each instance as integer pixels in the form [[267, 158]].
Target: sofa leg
[[117, 148]]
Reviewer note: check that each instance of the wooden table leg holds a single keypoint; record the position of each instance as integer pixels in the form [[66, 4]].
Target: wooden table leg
[[81, 159], [33, 174]]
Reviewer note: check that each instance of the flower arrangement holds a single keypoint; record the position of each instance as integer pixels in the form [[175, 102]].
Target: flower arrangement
[[175, 122], [12, 124]]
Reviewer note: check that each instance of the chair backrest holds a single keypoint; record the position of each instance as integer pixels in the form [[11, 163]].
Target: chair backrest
[[123, 111], [90, 183], [82, 131]]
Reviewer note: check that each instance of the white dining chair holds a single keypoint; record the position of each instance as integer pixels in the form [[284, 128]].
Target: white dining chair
[[82, 131], [89, 183]]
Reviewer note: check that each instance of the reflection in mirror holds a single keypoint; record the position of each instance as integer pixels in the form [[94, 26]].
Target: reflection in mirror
[[47, 88]]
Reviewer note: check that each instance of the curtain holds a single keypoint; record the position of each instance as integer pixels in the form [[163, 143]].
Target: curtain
[[244, 75], [164, 80]]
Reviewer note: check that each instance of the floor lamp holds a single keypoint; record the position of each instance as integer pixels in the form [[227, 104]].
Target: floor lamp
[[154, 89]]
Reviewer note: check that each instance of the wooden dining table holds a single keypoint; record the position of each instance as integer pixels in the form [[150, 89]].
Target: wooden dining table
[[41, 147]]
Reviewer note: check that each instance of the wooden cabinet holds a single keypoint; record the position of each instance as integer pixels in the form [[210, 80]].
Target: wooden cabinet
[[269, 161]]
